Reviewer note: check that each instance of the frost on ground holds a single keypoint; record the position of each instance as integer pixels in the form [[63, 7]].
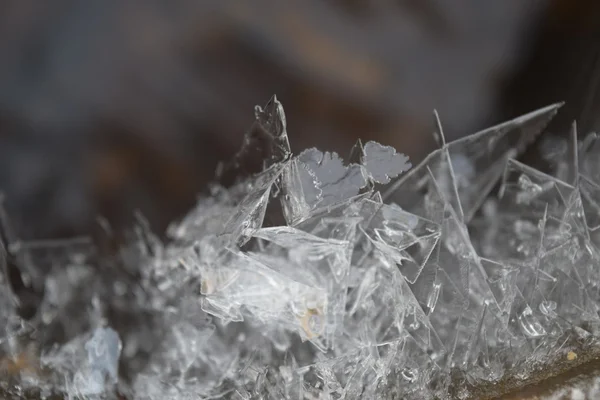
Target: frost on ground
[[320, 279]]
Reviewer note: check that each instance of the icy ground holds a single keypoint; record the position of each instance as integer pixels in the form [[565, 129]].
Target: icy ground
[[315, 278]]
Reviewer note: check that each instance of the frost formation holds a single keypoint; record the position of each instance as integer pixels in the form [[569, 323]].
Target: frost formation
[[313, 280]]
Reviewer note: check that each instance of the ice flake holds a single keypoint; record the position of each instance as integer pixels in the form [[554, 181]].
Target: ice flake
[[383, 163], [315, 179], [325, 179]]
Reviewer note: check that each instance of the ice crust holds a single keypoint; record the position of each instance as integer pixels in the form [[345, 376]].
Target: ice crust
[[320, 279]]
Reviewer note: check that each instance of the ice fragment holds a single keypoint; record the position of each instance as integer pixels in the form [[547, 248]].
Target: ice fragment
[[87, 367], [383, 163]]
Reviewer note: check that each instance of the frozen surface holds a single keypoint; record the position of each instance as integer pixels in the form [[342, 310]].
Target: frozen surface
[[304, 282]]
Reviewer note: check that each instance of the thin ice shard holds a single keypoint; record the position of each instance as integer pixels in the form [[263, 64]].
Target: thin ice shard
[[502, 280], [478, 159], [469, 168], [272, 119], [293, 202], [266, 143], [464, 291], [408, 239], [251, 210]]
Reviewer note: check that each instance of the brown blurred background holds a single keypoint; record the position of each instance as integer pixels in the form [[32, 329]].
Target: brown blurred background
[[110, 106]]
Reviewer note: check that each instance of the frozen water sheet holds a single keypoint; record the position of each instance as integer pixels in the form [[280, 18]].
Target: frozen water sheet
[[297, 279]]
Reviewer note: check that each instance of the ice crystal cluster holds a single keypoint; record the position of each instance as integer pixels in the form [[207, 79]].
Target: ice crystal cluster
[[323, 279]]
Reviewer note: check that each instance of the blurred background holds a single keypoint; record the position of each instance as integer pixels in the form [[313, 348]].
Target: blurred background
[[111, 106]]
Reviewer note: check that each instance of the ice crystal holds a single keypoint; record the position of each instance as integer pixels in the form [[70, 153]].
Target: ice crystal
[[87, 368], [304, 281]]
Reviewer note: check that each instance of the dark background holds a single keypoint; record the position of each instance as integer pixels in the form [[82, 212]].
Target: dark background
[[111, 106]]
